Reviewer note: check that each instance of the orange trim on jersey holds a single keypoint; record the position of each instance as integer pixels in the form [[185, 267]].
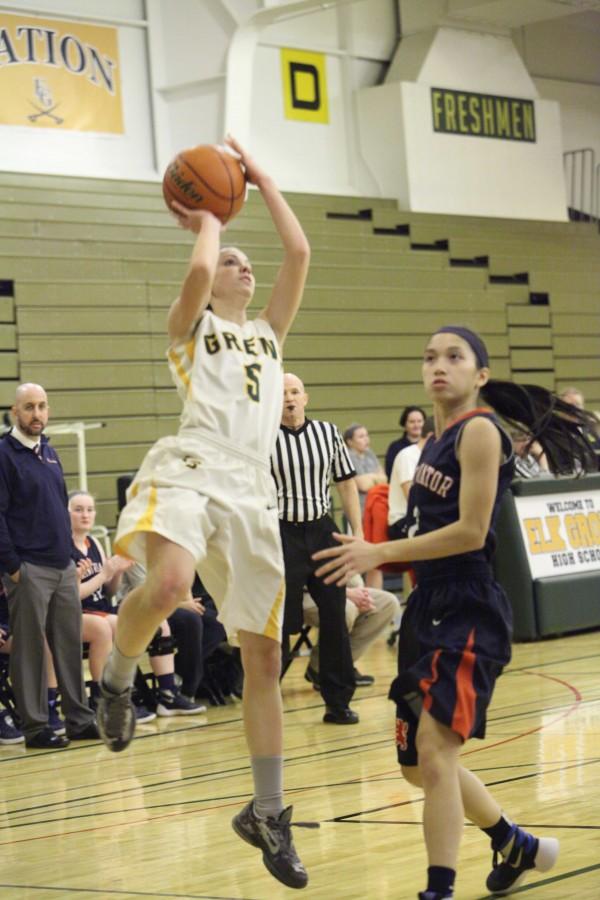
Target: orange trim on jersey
[[273, 626], [472, 412], [426, 683], [464, 709]]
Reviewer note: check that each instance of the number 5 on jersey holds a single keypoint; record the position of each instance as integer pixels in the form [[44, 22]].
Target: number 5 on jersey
[[252, 382]]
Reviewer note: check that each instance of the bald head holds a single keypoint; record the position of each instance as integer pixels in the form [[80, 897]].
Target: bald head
[[28, 388], [295, 399], [30, 409], [289, 380]]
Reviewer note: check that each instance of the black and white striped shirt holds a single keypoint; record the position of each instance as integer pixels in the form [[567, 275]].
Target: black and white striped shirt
[[303, 463]]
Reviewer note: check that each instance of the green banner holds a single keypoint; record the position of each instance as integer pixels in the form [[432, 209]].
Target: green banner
[[482, 115]]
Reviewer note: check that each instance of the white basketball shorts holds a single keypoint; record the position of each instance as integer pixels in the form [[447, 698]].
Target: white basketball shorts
[[220, 504]]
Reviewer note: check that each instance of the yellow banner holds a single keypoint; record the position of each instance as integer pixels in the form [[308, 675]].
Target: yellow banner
[[59, 74], [304, 85]]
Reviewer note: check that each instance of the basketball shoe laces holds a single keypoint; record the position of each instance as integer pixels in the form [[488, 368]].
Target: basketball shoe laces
[[277, 835]]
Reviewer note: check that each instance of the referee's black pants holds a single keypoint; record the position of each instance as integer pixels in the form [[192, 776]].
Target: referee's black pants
[[336, 670]]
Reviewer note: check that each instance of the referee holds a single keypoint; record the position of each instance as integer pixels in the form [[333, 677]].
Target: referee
[[307, 455]]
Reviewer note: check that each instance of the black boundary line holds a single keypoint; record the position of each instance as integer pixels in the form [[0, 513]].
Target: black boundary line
[[158, 734], [297, 760], [115, 892], [237, 770], [350, 817], [224, 773], [160, 785], [509, 671], [375, 779], [199, 728], [576, 765], [467, 825], [212, 775], [189, 778]]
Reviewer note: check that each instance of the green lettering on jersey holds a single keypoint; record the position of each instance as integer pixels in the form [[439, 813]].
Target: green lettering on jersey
[[211, 342], [252, 382]]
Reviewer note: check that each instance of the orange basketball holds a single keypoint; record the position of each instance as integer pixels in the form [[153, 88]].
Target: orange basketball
[[206, 177]]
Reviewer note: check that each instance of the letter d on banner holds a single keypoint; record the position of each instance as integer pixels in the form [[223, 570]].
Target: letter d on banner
[[304, 77]]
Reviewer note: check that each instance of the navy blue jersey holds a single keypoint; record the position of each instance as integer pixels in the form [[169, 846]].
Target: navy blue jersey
[[435, 492], [98, 601]]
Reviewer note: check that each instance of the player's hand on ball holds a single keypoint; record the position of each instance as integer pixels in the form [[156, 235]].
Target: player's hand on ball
[[254, 174], [191, 219], [352, 557]]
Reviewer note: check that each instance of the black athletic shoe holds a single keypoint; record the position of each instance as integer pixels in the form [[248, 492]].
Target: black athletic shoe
[[340, 715], [526, 852], [46, 739], [274, 837], [363, 680], [433, 895], [88, 733], [116, 718]]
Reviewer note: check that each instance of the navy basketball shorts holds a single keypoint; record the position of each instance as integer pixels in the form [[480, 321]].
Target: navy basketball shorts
[[455, 639]]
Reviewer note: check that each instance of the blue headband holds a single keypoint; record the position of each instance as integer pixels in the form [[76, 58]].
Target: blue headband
[[472, 339]]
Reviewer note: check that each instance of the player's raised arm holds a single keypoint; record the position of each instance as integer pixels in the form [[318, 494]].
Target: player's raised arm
[[287, 291], [197, 283]]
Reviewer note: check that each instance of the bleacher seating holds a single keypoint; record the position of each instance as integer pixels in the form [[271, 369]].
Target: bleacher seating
[[96, 263]]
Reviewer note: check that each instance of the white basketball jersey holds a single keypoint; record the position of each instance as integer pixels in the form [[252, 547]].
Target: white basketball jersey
[[230, 378]]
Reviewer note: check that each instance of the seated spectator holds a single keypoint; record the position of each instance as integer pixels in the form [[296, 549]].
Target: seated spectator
[[195, 628], [574, 396], [403, 472], [221, 663], [369, 474], [387, 508], [368, 613], [99, 579], [412, 420], [368, 468], [530, 459]]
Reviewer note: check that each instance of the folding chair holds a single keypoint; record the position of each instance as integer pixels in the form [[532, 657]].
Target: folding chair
[[6, 692], [302, 639]]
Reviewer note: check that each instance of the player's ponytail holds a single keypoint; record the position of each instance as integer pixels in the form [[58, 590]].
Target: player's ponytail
[[562, 429], [559, 427]]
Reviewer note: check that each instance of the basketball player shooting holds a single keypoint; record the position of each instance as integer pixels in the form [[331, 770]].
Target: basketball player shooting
[[204, 499]]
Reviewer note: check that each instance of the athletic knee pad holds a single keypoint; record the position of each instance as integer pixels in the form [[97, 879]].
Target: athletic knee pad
[[161, 646]]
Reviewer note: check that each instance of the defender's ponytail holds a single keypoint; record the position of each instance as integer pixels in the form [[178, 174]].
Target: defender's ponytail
[[562, 429]]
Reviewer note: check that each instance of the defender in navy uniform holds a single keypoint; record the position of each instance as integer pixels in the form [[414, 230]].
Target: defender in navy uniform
[[456, 631]]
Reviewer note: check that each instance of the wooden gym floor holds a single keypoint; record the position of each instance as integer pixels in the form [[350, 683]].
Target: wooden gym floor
[[153, 822]]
